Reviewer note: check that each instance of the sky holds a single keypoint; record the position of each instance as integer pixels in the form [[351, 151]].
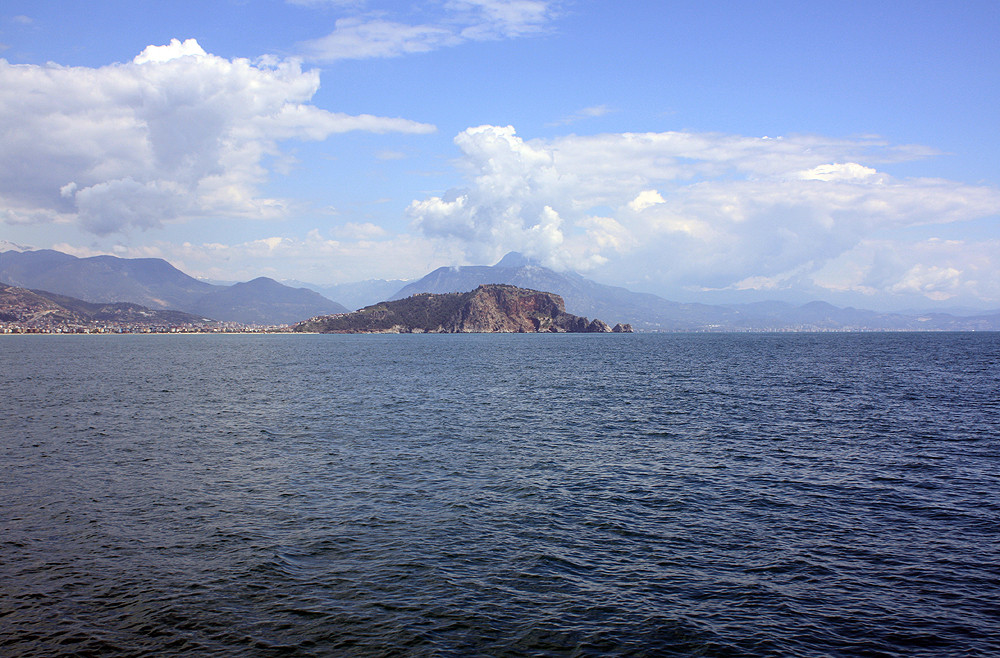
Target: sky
[[713, 151]]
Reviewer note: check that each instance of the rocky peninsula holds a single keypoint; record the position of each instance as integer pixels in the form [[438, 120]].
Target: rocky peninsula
[[491, 308]]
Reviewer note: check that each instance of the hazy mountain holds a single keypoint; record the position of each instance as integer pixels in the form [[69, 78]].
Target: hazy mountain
[[355, 295], [152, 282], [819, 315], [265, 301], [155, 283], [42, 308], [651, 313], [582, 296]]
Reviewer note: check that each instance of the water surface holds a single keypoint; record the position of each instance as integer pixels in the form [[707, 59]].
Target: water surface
[[809, 494]]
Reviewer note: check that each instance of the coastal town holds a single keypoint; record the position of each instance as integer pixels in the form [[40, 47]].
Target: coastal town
[[36, 312], [64, 328]]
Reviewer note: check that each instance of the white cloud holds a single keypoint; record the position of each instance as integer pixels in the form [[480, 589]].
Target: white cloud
[[591, 112], [595, 111], [693, 210], [358, 38], [105, 207], [850, 171], [937, 269], [506, 205], [646, 199], [932, 281], [360, 231], [175, 49], [363, 37], [494, 19], [174, 134]]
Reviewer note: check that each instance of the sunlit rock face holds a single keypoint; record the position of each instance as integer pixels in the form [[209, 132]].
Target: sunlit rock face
[[492, 308]]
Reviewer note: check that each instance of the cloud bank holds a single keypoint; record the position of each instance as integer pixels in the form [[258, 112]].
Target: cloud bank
[[703, 211], [174, 134]]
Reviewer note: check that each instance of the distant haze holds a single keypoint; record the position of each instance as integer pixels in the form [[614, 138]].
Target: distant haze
[[262, 301]]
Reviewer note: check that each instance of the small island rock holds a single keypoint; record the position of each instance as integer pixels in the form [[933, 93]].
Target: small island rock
[[598, 327]]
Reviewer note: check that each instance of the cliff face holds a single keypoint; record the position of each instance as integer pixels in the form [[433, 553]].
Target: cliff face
[[506, 309], [493, 308]]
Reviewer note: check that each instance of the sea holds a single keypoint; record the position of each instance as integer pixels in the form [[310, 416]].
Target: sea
[[500, 495]]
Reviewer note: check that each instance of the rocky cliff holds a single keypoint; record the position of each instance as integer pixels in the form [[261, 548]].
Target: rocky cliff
[[491, 308]]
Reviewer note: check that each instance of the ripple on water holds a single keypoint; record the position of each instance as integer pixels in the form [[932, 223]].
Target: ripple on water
[[461, 495]]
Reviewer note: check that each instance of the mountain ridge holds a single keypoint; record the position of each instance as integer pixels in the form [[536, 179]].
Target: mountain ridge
[[648, 312], [43, 309], [156, 284]]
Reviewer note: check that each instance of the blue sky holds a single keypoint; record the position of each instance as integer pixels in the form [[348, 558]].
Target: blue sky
[[711, 151]]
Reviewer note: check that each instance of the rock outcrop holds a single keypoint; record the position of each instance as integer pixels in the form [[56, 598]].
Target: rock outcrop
[[491, 308]]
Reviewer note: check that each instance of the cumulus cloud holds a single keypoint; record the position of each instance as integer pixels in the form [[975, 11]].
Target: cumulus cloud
[[176, 133], [934, 268], [848, 171], [693, 210], [367, 36], [645, 199], [174, 50], [935, 282]]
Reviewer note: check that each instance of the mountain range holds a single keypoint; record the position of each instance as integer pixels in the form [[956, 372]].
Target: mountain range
[[40, 309], [357, 294], [155, 283], [648, 312]]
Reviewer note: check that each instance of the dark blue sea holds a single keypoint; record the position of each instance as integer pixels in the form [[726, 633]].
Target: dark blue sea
[[464, 495]]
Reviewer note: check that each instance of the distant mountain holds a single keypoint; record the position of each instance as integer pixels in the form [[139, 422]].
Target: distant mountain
[[818, 315], [38, 308], [265, 301], [355, 295], [652, 313], [582, 296], [821, 315], [494, 308], [155, 283], [152, 282]]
